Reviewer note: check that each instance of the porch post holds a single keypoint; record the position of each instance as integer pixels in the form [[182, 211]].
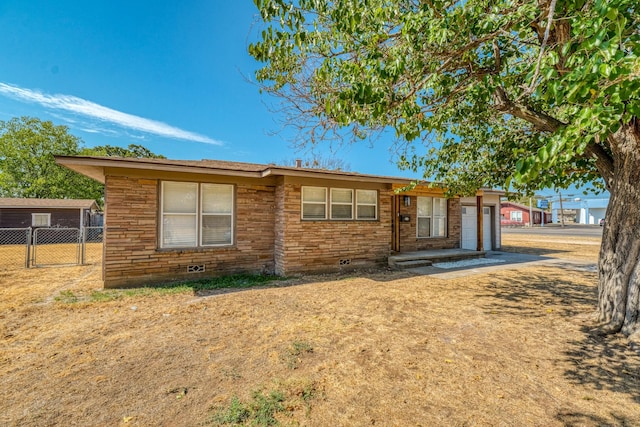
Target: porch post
[[480, 221], [395, 200]]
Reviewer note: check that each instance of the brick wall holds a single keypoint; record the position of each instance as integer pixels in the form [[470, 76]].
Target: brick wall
[[132, 256], [279, 229], [329, 245], [408, 230], [270, 235]]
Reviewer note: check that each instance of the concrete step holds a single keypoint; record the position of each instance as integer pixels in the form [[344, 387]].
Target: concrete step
[[427, 258], [414, 263]]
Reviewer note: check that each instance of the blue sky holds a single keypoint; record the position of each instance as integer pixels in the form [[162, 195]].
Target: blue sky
[[169, 75]]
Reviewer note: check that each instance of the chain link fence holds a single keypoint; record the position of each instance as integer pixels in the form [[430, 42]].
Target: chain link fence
[[92, 245], [48, 246], [56, 246], [14, 248]]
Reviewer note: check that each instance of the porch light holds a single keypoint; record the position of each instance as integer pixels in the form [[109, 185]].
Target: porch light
[[407, 201]]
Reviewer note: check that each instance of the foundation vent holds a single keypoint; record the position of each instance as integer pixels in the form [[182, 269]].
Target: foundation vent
[[345, 262], [195, 268]]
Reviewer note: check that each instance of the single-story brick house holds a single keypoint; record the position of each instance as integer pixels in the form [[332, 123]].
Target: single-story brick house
[[32, 212], [515, 214], [178, 219]]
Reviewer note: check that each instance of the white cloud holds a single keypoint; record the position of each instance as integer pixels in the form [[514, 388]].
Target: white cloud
[[90, 109]]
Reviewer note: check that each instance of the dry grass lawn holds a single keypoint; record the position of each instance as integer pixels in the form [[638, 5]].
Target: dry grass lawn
[[510, 348]]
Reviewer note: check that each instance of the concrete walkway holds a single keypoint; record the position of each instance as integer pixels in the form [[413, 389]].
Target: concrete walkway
[[503, 261]]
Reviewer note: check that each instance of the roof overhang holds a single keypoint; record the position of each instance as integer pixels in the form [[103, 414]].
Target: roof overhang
[[327, 174], [36, 203], [94, 167]]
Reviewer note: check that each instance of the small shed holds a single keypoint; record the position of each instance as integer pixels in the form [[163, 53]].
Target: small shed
[[32, 212]]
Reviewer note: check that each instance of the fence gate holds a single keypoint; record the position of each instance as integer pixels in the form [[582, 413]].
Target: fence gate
[[40, 247], [14, 248], [92, 245], [56, 246]]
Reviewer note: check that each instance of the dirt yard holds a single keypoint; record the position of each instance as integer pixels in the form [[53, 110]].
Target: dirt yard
[[509, 348]]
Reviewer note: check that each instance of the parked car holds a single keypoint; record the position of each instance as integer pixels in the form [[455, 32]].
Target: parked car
[[601, 222]]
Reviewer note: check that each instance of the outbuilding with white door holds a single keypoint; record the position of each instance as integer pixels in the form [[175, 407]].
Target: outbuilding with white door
[[481, 213]]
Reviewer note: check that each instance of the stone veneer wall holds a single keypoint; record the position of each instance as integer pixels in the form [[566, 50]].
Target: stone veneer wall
[[329, 245], [408, 230], [280, 218], [132, 257]]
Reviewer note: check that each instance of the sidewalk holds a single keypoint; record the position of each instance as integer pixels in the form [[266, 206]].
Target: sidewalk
[[496, 261]]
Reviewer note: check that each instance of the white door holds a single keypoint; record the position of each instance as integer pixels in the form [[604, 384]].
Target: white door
[[486, 229], [469, 227]]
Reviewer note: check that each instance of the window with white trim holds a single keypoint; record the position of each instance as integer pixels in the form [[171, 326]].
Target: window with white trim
[[314, 203], [319, 203], [194, 214], [432, 217], [516, 216], [341, 203], [40, 219], [366, 204], [216, 219]]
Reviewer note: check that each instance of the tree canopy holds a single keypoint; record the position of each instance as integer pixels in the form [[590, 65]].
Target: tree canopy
[[132, 150], [28, 168], [519, 94]]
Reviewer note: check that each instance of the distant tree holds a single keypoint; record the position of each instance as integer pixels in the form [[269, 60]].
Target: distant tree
[[28, 168], [319, 162], [132, 150]]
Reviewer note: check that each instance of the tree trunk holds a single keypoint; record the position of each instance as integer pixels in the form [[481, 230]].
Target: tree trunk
[[619, 264]]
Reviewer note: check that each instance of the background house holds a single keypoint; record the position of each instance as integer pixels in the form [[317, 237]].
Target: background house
[[516, 214], [31, 212]]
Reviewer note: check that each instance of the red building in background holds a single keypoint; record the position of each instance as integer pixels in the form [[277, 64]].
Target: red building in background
[[512, 213]]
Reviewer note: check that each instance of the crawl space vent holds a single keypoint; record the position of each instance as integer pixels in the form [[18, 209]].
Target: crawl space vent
[[196, 268], [345, 262]]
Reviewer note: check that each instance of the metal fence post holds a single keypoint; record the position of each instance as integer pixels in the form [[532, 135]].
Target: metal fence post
[[27, 261], [83, 232]]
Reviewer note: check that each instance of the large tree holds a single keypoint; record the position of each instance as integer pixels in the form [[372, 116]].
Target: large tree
[[28, 168], [132, 150], [520, 94]]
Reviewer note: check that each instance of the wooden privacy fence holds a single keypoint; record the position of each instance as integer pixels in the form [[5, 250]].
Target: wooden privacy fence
[[49, 246]]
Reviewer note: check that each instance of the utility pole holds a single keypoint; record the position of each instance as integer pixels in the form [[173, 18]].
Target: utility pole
[[561, 211]]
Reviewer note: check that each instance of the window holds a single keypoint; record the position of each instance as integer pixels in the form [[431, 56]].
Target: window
[[516, 216], [196, 215], [341, 203], [40, 219], [344, 203], [314, 203], [216, 221], [432, 217], [366, 204], [439, 217]]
